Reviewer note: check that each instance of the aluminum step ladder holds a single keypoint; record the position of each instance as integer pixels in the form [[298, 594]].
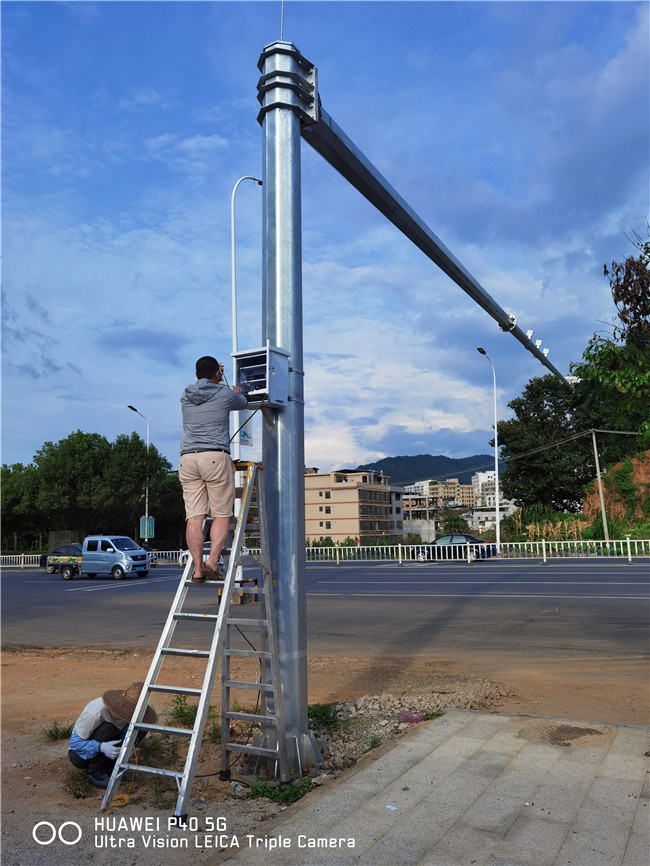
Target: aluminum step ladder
[[217, 646], [268, 747]]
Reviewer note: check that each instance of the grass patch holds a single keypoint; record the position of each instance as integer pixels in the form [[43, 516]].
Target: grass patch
[[183, 713], [76, 783], [156, 751], [56, 731], [282, 794], [371, 743], [164, 793], [436, 715], [213, 726], [323, 716], [238, 708]]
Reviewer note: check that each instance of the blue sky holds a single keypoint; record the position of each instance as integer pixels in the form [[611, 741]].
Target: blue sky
[[518, 131]]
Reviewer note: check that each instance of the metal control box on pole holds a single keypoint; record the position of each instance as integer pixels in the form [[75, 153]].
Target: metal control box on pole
[[263, 375]]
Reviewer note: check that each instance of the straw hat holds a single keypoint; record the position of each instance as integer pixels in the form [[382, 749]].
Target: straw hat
[[122, 703]]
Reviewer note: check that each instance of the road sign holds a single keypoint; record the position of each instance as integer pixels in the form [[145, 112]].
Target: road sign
[[143, 527]]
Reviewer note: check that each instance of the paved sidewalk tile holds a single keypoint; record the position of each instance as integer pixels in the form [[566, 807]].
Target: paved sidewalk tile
[[472, 788]]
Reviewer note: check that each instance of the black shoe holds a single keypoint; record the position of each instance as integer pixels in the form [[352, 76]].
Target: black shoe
[[97, 778], [211, 574]]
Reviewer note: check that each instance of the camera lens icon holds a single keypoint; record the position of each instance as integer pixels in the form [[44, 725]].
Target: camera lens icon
[[45, 829]]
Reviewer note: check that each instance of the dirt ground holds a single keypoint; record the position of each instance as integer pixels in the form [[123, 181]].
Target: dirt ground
[[40, 687]]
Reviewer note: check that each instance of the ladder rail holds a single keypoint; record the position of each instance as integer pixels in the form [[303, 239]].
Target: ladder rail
[[270, 715], [128, 742]]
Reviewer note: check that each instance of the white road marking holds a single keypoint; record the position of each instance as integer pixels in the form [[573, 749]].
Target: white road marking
[[478, 598], [509, 582], [116, 584]]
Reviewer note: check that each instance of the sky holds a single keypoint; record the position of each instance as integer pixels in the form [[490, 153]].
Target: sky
[[518, 131]]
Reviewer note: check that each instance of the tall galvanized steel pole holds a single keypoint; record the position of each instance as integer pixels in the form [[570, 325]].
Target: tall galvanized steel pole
[[280, 87]]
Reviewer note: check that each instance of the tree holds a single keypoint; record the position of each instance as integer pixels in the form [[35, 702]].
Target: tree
[[548, 416], [554, 477], [622, 362], [132, 467], [19, 513], [128, 472], [88, 484], [72, 490], [453, 522]]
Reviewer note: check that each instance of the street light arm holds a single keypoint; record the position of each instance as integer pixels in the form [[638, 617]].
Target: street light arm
[[497, 516], [233, 278], [146, 489], [232, 259]]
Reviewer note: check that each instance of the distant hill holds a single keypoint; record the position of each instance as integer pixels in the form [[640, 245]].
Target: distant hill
[[406, 470]]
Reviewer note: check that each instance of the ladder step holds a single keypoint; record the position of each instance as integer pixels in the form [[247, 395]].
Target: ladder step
[[206, 617], [177, 651], [176, 690], [253, 750], [248, 654], [163, 729], [190, 582], [238, 684], [154, 771], [240, 620], [251, 717]]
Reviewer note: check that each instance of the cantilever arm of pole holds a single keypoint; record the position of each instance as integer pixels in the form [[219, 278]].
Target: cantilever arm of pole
[[335, 147]]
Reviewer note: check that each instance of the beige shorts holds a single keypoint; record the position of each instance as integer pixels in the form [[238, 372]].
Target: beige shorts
[[207, 477]]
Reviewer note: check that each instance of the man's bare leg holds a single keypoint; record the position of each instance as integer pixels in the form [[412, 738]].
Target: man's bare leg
[[194, 537], [218, 535]]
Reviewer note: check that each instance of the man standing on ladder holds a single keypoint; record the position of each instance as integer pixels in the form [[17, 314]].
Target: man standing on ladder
[[205, 469]]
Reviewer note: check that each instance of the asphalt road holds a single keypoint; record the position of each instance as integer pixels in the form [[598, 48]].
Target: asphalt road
[[567, 606]]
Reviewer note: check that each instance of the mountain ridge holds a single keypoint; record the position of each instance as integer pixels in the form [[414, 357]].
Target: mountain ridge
[[407, 470]]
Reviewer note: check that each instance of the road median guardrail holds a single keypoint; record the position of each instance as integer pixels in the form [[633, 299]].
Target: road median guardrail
[[625, 549]]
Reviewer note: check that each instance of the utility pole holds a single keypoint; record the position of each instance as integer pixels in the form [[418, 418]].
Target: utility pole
[[284, 91], [600, 488]]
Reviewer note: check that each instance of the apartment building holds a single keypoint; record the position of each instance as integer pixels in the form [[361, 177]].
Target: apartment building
[[423, 498], [484, 486], [354, 504], [484, 516]]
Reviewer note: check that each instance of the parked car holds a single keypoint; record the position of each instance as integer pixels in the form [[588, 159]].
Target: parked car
[[58, 556], [456, 547]]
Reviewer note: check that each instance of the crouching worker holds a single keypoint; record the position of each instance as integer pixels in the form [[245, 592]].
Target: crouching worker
[[100, 729]]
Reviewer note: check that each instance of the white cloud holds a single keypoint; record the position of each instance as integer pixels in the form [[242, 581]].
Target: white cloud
[[193, 155], [143, 98]]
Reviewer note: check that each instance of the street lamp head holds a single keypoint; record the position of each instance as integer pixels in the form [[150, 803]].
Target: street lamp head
[[132, 408], [482, 351]]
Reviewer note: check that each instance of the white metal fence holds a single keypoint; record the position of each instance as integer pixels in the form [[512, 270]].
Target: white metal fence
[[626, 549], [19, 560]]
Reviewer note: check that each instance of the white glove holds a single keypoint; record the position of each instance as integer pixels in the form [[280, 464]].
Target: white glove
[[110, 749]]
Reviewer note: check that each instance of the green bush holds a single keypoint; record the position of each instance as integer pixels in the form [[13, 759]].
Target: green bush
[[283, 794], [324, 716]]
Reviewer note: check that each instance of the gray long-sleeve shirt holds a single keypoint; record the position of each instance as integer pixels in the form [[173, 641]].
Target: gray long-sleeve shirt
[[206, 411]]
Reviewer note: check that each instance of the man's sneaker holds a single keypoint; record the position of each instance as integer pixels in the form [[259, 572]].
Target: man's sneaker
[[97, 778]]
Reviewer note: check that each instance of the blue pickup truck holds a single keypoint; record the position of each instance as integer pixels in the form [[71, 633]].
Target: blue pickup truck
[[106, 554]]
